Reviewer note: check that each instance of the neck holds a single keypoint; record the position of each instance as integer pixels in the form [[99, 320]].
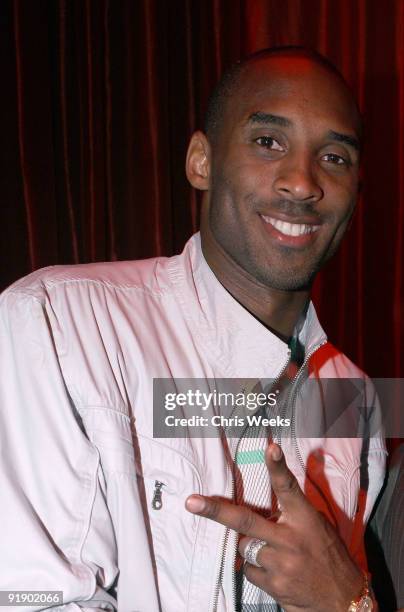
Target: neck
[[278, 310]]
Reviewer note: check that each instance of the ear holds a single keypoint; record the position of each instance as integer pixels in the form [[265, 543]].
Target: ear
[[197, 166]]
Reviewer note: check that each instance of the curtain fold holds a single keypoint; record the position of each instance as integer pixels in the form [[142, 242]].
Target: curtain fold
[[100, 98]]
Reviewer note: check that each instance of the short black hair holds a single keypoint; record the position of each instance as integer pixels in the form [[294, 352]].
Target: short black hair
[[227, 85]]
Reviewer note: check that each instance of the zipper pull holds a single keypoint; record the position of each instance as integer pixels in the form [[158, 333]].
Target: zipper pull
[[157, 502]]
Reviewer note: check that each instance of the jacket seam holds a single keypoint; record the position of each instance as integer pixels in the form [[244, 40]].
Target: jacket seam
[[108, 409], [86, 281], [178, 453], [90, 583]]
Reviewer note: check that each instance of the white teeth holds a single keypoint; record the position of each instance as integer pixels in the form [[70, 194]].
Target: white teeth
[[290, 229]]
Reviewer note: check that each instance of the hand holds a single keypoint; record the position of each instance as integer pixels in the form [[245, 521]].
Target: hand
[[305, 565]]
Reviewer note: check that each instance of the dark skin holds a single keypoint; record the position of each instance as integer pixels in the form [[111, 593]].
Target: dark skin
[[280, 181], [298, 173], [305, 565]]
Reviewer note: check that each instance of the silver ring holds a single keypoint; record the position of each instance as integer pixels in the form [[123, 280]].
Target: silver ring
[[252, 549]]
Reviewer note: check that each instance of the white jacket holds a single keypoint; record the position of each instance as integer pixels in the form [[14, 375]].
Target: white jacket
[[80, 346]]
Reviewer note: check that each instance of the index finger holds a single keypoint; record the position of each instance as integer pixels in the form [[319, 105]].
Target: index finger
[[240, 518]]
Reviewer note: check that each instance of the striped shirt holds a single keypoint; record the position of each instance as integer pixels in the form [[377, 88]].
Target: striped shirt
[[252, 482]]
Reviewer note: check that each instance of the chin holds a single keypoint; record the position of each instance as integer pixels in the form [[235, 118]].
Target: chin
[[285, 279], [290, 284]]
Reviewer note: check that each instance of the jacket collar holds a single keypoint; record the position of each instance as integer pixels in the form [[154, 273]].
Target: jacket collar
[[232, 338]]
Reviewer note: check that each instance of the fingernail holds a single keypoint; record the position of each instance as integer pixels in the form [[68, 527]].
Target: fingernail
[[195, 503], [276, 453]]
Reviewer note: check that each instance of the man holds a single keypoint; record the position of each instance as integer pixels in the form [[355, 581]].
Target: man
[[93, 504]]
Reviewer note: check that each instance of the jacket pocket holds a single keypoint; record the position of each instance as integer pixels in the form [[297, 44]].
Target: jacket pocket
[[166, 478], [147, 484]]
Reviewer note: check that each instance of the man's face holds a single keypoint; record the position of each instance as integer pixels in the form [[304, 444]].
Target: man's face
[[284, 171]]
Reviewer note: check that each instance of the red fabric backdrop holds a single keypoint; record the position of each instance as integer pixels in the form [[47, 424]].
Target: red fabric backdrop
[[100, 98]]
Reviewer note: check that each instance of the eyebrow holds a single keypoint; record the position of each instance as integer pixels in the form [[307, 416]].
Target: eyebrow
[[269, 119], [344, 138]]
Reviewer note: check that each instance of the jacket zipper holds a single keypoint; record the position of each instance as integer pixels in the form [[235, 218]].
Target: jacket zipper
[[226, 535], [157, 501], [293, 401], [297, 451], [225, 541]]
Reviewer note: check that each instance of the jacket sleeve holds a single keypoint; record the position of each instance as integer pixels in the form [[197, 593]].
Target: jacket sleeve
[[57, 534]]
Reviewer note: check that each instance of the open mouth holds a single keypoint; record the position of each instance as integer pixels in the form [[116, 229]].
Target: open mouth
[[291, 229]]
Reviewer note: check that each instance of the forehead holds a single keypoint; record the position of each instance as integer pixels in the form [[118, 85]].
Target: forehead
[[296, 88]]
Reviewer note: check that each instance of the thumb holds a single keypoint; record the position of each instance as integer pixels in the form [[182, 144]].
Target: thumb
[[284, 483]]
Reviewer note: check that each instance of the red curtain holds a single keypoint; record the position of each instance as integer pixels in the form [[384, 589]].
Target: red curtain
[[100, 98]]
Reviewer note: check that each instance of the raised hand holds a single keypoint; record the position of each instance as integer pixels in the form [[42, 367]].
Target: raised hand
[[303, 564]]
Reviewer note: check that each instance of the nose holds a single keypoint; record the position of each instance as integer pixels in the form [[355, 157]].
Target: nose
[[297, 181]]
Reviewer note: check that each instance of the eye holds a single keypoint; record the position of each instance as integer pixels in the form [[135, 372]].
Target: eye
[[333, 158], [269, 143]]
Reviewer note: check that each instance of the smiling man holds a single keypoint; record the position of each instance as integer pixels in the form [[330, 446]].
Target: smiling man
[[94, 504], [279, 164]]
